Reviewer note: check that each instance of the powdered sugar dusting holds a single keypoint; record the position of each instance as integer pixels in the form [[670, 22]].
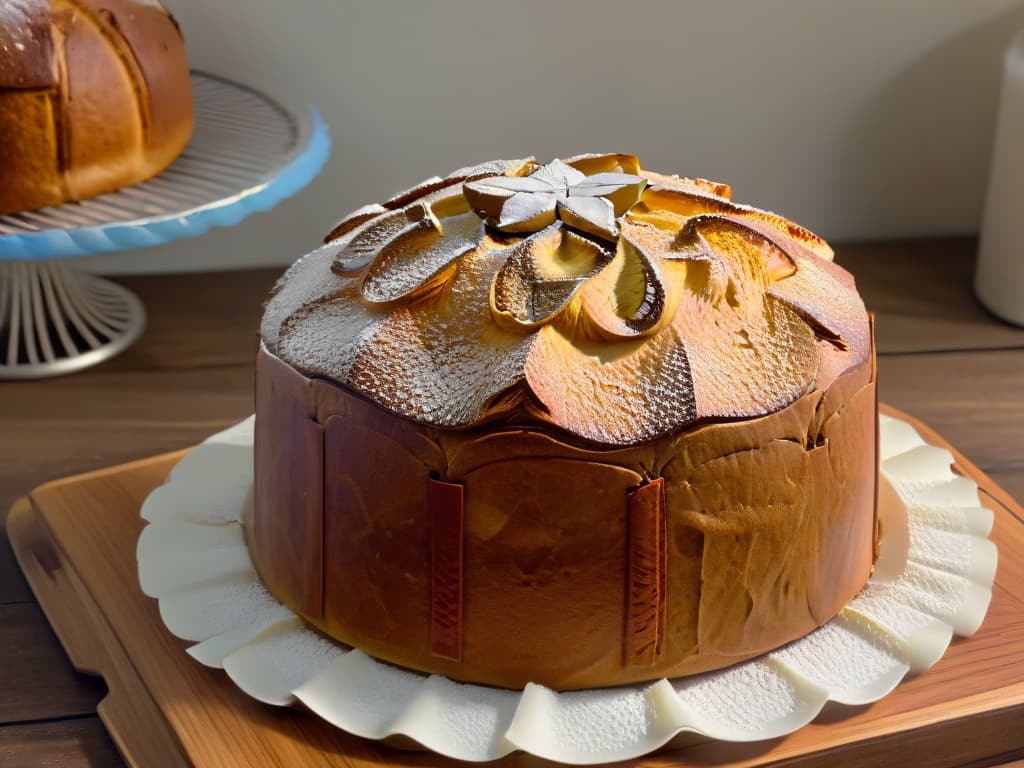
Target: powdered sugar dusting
[[882, 603], [601, 721], [474, 716], [407, 263], [443, 359], [207, 611], [950, 519], [491, 168], [291, 654], [940, 549], [838, 658], [949, 492], [381, 691], [747, 697], [613, 396], [932, 591], [311, 334], [213, 650], [308, 280]]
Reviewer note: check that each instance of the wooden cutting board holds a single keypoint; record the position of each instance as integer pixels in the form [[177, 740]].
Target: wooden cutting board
[[75, 539]]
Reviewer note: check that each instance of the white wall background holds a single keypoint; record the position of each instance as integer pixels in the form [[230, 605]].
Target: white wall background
[[861, 120]]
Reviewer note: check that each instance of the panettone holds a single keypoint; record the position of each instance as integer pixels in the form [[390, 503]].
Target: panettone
[[94, 95], [579, 424]]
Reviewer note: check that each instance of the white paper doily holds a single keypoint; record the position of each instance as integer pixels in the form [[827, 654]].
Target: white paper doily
[[933, 579]]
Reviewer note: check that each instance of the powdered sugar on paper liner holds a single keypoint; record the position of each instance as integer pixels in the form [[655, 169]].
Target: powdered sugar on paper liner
[[271, 665], [853, 662], [934, 579]]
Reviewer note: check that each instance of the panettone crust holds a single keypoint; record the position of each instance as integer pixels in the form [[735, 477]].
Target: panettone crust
[[94, 95], [577, 424]]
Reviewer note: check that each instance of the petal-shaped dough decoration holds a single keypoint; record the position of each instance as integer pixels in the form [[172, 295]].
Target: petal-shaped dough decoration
[[494, 168], [692, 203], [667, 221], [822, 293], [488, 196], [361, 246], [697, 269], [622, 189], [413, 194], [750, 255], [446, 201], [442, 359], [559, 175], [627, 299], [354, 219], [527, 203], [541, 274], [416, 258], [701, 186], [506, 186], [591, 164], [614, 394], [745, 367], [592, 215], [778, 262], [527, 212]]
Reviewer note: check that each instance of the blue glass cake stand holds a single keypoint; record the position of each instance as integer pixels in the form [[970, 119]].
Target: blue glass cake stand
[[247, 154]]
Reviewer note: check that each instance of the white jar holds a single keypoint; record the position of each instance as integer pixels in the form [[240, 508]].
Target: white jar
[[999, 279]]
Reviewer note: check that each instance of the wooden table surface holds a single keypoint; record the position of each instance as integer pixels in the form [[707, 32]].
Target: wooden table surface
[[942, 359]]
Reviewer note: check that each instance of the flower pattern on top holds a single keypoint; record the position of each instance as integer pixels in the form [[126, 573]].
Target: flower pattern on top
[[626, 303], [590, 204]]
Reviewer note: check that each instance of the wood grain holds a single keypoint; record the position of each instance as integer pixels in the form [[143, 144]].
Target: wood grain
[[191, 375], [968, 706], [35, 686], [92, 647], [197, 321], [77, 743], [920, 292], [69, 425], [1011, 481], [977, 396], [190, 695], [13, 587]]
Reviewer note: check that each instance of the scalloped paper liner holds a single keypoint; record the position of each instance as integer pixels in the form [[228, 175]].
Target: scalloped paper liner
[[933, 579]]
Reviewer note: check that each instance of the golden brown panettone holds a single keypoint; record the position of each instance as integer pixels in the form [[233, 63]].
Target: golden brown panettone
[[94, 95], [579, 424]]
